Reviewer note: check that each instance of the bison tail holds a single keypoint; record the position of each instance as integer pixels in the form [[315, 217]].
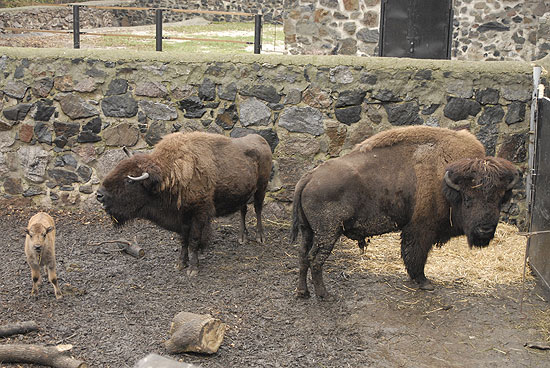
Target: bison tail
[[297, 213]]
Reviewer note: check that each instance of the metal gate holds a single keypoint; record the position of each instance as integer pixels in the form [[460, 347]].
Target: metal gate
[[539, 192], [419, 29]]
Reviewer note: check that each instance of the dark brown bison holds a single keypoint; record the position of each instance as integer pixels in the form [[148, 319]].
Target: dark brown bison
[[186, 181], [430, 183]]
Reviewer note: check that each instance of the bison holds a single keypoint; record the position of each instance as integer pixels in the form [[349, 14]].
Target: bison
[[430, 183], [40, 250], [188, 179]]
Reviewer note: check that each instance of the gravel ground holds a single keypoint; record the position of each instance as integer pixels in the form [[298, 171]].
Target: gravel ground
[[116, 309]]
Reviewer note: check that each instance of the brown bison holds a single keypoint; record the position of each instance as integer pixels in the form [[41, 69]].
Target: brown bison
[[187, 180], [430, 183], [40, 250]]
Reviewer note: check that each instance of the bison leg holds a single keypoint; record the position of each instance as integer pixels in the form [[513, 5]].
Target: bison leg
[[52, 276], [258, 205], [318, 254], [307, 241], [35, 274], [414, 251], [243, 233], [184, 254], [199, 224]]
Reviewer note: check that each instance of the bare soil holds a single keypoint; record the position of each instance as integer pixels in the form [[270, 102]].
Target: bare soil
[[116, 309]]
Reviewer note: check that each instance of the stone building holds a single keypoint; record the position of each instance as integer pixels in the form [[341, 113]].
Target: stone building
[[481, 30]]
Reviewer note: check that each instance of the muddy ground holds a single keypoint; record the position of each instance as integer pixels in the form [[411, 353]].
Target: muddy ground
[[116, 309]]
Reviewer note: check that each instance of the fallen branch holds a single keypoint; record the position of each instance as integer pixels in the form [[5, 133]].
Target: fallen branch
[[536, 345], [132, 248], [53, 356], [18, 328]]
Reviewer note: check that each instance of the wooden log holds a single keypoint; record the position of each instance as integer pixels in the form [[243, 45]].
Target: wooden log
[[18, 328], [132, 248], [52, 356], [199, 333]]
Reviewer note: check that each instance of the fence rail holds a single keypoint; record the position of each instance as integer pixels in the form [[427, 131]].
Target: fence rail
[[159, 37]]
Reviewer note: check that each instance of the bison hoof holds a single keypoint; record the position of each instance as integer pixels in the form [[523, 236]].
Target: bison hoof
[[426, 285], [192, 272], [260, 239], [303, 294]]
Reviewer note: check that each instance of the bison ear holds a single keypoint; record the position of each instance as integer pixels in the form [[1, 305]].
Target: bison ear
[[49, 229], [26, 231], [451, 190]]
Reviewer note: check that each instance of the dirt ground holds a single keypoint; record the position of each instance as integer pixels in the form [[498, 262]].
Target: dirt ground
[[116, 309]]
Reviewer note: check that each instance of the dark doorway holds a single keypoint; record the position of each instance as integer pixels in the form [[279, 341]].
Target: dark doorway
[[539, 242], [419, 29]]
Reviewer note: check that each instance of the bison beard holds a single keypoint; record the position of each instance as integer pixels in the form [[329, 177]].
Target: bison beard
[[430, 183], [187, 180]]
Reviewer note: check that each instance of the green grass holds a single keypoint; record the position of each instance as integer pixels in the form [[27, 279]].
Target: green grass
[[242, 32]]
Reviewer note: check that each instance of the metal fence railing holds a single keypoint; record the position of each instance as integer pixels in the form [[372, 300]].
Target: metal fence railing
[[159, 37]]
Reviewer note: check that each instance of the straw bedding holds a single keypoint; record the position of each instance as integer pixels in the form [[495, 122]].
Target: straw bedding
[[481, 270]]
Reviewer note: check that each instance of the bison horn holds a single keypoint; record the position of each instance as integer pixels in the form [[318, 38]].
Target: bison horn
[[127, 151], [139, 178], [450, 183], [513, 182]]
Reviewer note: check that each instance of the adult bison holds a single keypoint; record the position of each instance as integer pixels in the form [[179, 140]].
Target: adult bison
[[430, 183], [187, 180]]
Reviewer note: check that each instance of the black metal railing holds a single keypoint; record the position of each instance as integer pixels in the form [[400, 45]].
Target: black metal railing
[[159, 37]]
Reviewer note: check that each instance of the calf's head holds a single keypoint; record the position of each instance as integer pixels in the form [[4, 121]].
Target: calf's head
[[37, 236], [129, 188], [476, 190]]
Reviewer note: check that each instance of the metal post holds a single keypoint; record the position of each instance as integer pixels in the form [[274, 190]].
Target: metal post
[[257, 33], [158, 22], [76, 26]]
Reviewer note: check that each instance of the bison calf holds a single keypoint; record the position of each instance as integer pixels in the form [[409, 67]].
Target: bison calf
[[430, 183], [185, 181], [40, 250]]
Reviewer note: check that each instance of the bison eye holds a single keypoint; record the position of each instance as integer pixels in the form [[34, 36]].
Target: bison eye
[[466, 200]]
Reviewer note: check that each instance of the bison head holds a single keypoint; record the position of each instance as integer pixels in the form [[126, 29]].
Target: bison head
[[129, 188], [476, 190]]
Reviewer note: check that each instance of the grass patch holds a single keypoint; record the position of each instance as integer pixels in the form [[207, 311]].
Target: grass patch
[[272, 38]]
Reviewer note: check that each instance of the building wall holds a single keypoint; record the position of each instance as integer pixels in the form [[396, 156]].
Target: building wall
[[482, 30], [65, 114]]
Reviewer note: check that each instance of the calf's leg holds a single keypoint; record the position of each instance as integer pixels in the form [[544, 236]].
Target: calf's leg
[[52, 276], [35, 274]]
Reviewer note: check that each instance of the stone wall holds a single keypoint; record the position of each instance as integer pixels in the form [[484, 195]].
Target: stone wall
[[482, 30], [65, 114]]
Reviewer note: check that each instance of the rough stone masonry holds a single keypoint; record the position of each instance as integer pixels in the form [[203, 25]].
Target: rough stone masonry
[[65, 114]]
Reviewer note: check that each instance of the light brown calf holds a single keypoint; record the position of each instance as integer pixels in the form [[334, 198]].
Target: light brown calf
[[40, 250]]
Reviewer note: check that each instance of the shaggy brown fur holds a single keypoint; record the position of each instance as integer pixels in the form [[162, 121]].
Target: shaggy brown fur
[[40, 250], [393, 181], [190, 179]]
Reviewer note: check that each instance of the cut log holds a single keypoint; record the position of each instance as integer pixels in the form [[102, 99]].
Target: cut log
[[132, 248], [199, 333], [52, 356], [18, 328]]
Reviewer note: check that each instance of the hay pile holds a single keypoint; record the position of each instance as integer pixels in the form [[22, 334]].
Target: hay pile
[[481, 270]]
